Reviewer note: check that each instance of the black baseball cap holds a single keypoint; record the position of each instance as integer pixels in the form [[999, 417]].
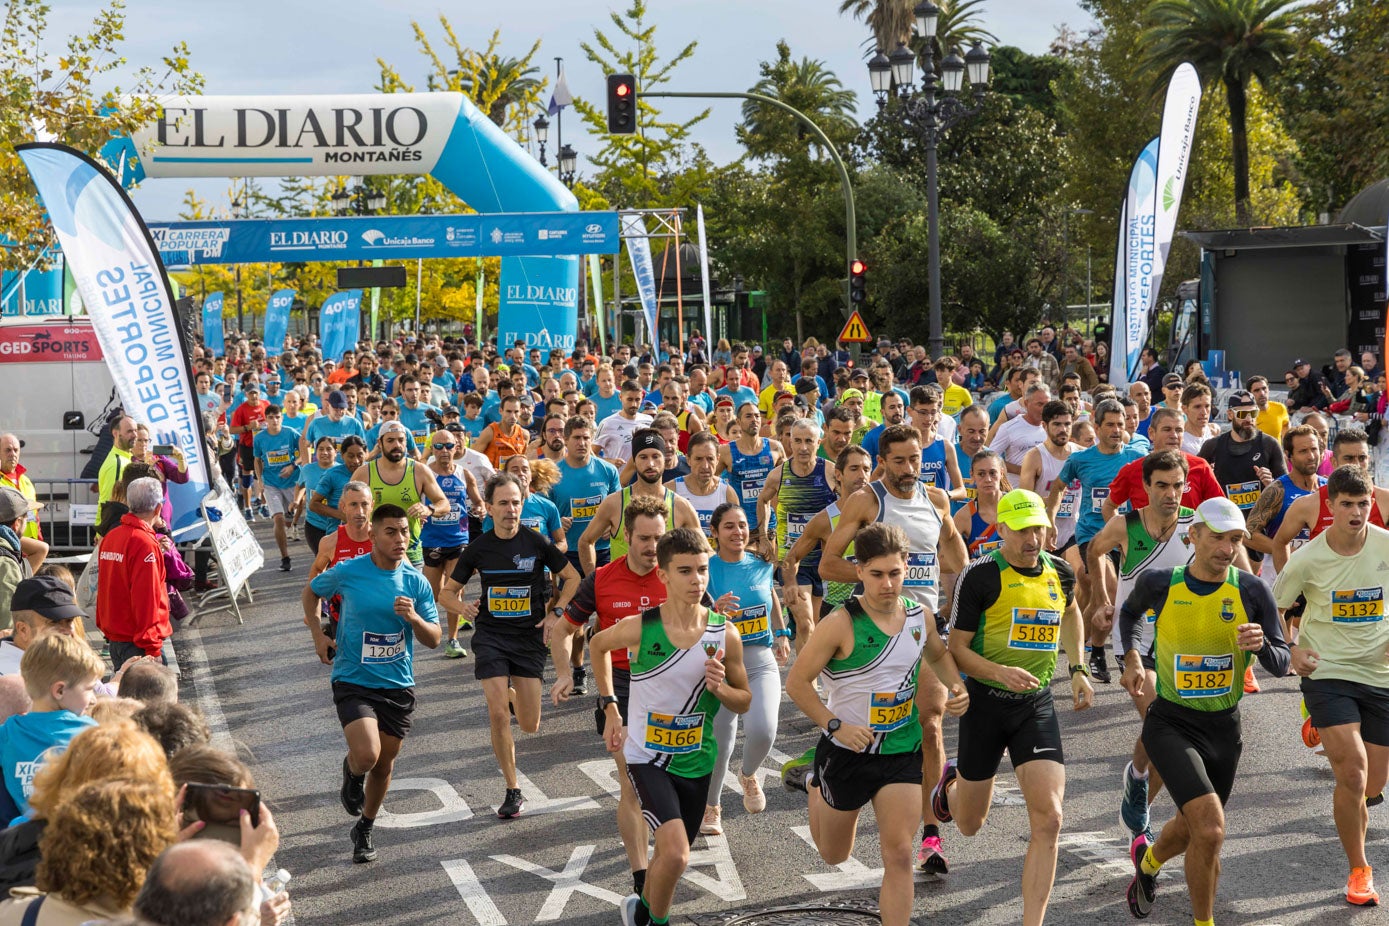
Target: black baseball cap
[[806, 384], [49, 596], [1172, 379]]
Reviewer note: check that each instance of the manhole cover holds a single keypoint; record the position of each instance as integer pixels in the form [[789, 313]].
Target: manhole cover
[[817, 915]]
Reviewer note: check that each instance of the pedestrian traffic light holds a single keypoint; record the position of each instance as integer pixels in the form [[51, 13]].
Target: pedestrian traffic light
[[858, 290], [622, 104]]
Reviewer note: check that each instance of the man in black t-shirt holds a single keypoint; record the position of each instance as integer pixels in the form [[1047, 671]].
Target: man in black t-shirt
[[513, 619], [1244, 458]]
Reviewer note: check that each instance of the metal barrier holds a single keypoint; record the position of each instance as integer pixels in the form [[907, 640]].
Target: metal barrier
[[68, 518]]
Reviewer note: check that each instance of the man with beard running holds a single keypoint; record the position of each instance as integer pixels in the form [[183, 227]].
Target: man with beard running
[[443, 539], [1040, 468], [351, 539], [386, 607], [1302, 451], [749, 461], [394, 480], [649, 455], [923, 513], [1313, 512]]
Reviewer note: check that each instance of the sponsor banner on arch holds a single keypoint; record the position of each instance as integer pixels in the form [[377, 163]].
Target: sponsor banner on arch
[[394, 237], [537, 303]]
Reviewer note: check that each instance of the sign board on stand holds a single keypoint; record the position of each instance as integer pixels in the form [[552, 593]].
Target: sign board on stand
[[235, 548], [855, 331]]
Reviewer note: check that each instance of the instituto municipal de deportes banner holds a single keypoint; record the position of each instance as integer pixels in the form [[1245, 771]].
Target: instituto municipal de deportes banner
[[128, 299]]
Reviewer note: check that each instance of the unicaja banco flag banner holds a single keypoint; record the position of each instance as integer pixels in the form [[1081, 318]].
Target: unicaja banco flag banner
[[277, 320], [212, 324], [128, 298], [643, 271]]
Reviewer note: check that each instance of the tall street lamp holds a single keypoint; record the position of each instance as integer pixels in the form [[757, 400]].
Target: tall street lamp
[[360, 200], [568, 164], [238, 209], [933, 109], [542, 135]]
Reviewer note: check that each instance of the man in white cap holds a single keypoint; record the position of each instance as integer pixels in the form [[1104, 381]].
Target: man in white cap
[[1209, 620]]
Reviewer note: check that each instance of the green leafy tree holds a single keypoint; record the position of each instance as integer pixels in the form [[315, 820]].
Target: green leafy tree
[[57, 97], [1230, 42], [891, 22]]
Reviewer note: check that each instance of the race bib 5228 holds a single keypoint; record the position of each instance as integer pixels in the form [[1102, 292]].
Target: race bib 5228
[[889, 710], [1357, 605]]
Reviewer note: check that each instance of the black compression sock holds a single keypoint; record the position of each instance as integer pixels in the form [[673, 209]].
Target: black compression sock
[[929, 830], [638, 881], [643, 916], [365, 823]]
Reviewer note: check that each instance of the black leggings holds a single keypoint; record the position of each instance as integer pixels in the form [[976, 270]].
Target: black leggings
[[312, 536]]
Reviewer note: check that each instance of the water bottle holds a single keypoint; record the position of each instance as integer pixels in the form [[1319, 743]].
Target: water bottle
[[278, 882]]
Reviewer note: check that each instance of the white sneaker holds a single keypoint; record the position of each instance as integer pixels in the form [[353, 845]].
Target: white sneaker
[[713, 821], [754, 801]]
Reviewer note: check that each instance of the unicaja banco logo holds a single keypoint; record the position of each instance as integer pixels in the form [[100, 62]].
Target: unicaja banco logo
[[1169, 194]]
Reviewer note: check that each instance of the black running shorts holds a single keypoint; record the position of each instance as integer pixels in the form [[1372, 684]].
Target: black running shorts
[[1196, 752], [1332, 702], [390, 707], [847, 780], [665, 798], [439, 557], [1023, 724], [520, 655]]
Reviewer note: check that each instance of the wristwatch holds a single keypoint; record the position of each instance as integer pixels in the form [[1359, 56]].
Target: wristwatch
[[557, 612], [833, 726], [1080, 668], [605, 700], [783, 632]]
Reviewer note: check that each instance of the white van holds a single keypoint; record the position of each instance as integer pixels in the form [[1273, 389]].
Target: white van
[[57, 394]]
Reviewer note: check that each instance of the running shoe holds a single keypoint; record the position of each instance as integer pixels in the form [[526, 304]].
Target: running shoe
[[754, 801], [1251, 684], [930, 857], [794, 772], [512, 804], [465, 625], [1099, 669], [285, 564], [362, 849], [940, 800], [713, 821], [1311, 736], [294, 532], [1143, 888], [354, 790], [1374, 800], [1360, 888], [249, 515], [1133, 812], [453, 649], [580, 687], [630, 903]]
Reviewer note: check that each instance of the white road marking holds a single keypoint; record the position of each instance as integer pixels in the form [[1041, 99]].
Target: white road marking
[[537, 802], [452, 807], [726, 885], [1108, 853], [474, 895], [566, 883], [852, 875]]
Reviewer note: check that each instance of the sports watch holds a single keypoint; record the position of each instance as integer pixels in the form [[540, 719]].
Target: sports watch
[[833, 726]]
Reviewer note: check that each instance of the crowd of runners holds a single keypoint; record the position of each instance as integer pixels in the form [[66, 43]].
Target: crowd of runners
[[681, 532]]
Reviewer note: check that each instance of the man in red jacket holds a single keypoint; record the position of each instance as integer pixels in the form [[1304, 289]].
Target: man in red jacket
[[1165, 431], [132, 602]]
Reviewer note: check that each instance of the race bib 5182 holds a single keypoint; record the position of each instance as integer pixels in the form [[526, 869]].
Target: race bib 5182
[[1203, 676]]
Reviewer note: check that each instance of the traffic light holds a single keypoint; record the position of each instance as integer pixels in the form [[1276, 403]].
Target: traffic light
[[622, 104], [858, 286]]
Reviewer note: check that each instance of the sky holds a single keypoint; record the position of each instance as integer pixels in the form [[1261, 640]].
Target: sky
[[309, 46]]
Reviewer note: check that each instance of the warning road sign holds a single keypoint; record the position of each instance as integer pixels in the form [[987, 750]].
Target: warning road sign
[[855, 331]]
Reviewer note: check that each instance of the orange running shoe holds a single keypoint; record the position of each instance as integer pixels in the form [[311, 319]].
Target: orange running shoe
[[1360, 888], [1251, 684], [1311, 737]]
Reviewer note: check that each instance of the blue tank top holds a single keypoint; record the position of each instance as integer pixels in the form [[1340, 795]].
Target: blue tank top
[[748, 475], [751, 580], [983, 536], [452, 529], [1291, 493], [966, 473], [933, 471]]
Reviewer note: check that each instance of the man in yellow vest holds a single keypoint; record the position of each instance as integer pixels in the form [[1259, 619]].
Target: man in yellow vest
[[13, 474], [123, 432]]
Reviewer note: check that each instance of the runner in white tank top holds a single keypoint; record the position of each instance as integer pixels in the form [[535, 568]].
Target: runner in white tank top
[[703, 457]]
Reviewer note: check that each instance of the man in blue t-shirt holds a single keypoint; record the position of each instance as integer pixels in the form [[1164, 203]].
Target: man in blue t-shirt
[[1095, 467], [336, 424], [386, 606], [274, 451], [415, 414], [584, 481]]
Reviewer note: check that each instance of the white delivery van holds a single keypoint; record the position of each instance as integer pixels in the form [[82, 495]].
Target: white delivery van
[[57, 393]]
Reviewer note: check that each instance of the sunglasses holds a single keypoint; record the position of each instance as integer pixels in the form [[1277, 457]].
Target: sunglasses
[[1241, 416], [446, 446]]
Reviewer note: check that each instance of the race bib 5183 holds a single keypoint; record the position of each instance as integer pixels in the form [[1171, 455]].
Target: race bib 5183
[[1037, 629]]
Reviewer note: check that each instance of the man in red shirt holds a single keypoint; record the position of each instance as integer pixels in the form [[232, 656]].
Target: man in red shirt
[[620, 589], [1165, 431], [248, 418], [132, 603]]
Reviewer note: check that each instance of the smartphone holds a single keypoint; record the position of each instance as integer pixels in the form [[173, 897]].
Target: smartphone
[[162, 450], [221, 804], [226, 391]]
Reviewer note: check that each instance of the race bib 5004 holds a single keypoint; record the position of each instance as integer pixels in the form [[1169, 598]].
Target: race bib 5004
[[921, 570], [1357, 605], [1035, 629], [509, 601], [674, 734]]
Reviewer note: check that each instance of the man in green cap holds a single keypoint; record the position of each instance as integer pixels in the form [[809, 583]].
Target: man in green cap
[[1013, 609]]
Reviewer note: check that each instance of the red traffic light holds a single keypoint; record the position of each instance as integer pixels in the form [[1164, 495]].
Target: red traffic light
[[622, 90], [857, 267]]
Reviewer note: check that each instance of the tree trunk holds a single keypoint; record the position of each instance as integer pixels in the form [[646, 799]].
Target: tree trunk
[[1239, 141]]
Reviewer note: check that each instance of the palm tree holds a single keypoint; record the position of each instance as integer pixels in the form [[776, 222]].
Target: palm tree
[[891, 22], [807, 85], [1230, 41], [496, 82]]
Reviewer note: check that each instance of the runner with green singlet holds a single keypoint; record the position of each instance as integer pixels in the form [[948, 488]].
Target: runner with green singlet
[[649, 458], [686, 663], [395, 480]]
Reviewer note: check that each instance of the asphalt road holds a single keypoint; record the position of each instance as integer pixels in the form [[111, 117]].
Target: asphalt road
[[446, 859]]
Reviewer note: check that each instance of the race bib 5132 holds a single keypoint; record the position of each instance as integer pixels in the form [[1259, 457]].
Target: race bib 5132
[[1357, 605]]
